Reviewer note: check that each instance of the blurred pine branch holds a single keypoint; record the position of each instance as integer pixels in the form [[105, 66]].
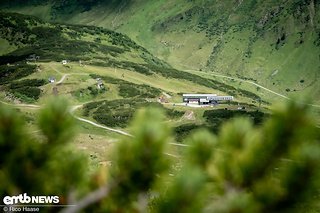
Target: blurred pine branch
[[270, 168]]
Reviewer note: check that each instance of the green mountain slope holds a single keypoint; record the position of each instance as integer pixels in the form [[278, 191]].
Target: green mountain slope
[[28, 39], [275, 43], [23, 36], [31, 39]]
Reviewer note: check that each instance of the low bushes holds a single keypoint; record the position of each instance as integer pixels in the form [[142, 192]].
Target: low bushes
[[118, 113], [130, 90], [214, 120], [181, 132], [15, 72], [216, 117], [27, 90]]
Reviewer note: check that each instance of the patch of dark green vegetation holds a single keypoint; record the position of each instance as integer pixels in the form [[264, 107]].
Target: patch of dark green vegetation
[[94, 91], [214, 53], [27, 83], [181, 132], [90, 91], [9, 73], [12, 59], [27, 90], [242, 104], [140, 68], [57, 49], [214, 120], [130, 90], [58, 41], [173, 114], [62, 9], [216, 117], [16, 3], [118, 113]]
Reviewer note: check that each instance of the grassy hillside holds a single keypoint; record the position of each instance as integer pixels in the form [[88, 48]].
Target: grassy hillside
[[28, 35], [26, 40], [37, 41], [127, 69], [275, 43], [131, 76], [200, 44]]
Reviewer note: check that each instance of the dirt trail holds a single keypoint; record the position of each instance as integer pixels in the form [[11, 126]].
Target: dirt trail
[[249, 82]]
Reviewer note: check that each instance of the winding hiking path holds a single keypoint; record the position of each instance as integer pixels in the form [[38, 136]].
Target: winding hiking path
[[64, 75], [72, 109], [33, 106], [75, 107], [63, 78], [68, 74], [103, 127]]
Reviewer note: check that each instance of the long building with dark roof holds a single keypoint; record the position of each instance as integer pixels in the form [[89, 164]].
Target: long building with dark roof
[[203, 99]]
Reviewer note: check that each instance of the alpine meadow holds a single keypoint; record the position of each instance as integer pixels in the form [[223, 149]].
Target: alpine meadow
[[160, 106]]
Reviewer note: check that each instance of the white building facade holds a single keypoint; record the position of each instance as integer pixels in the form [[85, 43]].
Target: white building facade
[[204, 99]]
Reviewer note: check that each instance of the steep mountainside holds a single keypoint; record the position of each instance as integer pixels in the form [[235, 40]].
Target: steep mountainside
[[275, 43], [26, 36]]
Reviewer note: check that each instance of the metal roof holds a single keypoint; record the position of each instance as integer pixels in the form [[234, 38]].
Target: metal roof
[[221, 98], [209, 97]]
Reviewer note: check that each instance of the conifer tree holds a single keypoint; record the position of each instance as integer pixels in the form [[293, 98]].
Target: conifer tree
[[269, 168]]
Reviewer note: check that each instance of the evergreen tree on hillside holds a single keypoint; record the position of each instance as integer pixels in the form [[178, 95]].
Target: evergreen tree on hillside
[[270, 168]]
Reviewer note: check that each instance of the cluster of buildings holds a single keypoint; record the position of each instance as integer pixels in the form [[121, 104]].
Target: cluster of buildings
[[205, 99]]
